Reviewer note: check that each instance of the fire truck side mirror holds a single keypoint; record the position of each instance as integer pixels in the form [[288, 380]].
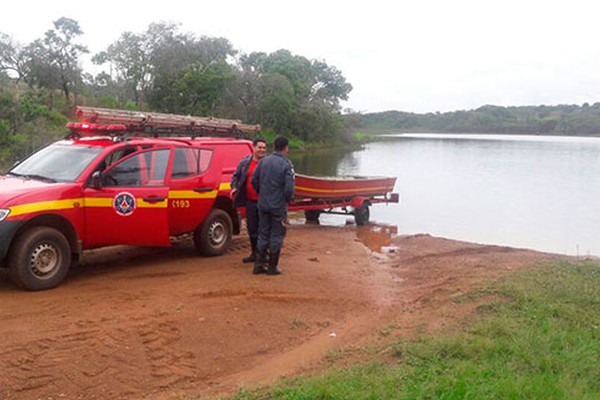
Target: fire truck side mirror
[[97, 179]]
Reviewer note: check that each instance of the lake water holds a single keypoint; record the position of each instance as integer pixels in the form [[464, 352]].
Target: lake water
[[534, 192]]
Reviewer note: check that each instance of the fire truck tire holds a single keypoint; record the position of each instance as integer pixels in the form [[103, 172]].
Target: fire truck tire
[[312, 215], [213, 236], [39, 259], [362, 214]]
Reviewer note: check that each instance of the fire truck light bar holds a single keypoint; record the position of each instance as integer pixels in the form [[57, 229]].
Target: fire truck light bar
[[85, 128]]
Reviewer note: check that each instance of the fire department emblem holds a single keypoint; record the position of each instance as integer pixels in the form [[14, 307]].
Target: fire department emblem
[[124, 204]]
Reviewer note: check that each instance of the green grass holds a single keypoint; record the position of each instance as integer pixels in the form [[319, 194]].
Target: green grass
[[539, 339], [360, 136], [369, 136], [269, 136]]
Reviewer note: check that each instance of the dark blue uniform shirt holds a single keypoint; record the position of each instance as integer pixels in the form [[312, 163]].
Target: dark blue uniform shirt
[[273, 180], [238, 181]]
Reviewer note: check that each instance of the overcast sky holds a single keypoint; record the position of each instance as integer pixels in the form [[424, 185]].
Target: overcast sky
[[408, 55]]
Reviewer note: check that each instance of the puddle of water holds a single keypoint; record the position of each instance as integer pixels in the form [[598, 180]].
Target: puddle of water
[[373, 235], [376, 236]]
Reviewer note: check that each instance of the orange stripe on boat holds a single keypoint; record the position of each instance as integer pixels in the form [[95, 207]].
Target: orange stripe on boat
[[369, 189]]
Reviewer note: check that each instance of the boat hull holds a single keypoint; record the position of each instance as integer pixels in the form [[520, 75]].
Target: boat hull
[[342, 187]]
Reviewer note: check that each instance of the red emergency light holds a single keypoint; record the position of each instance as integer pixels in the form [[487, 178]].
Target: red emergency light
[[87, 129]]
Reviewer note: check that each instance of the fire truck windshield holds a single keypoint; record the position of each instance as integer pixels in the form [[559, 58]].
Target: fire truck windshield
[[57, 163]]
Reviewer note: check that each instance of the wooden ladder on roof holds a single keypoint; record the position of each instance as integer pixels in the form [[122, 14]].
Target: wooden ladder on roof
[[158, 124]]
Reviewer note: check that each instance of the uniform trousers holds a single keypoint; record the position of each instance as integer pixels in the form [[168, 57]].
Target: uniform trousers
[[252, 220], [271, 230]]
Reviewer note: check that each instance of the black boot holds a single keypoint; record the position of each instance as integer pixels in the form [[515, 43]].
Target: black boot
[[259, 264], [273, 261], [252, 257]]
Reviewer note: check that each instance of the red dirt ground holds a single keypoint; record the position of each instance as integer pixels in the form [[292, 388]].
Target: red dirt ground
[[138, 323]]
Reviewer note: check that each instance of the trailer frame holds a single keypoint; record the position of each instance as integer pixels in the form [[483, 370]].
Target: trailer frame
[[358, 206]]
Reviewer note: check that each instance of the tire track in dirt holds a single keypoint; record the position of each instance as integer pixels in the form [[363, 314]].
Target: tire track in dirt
[[168, 366], [273, 296], [107, 359], [31, 364]]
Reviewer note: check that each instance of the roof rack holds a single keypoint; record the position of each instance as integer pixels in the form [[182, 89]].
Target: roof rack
[[119, 122]]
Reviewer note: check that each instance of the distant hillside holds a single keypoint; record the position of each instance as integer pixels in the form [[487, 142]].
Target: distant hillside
[[549, 120]]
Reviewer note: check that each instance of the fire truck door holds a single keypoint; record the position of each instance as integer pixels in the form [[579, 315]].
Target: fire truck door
[[194, 185], [130, 206]]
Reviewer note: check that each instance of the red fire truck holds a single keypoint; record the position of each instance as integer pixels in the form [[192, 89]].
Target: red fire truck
[[116, 179]]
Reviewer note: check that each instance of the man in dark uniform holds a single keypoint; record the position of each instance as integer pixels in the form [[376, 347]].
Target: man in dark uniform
[[273, 179], [244, 194]]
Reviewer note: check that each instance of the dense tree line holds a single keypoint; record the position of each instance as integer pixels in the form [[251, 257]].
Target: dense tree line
[[162, 70], [545, 120]]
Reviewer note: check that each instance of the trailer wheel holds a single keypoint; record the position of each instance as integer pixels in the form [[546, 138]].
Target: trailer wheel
[[362, 214], [39, 259], [213, 236], [312, 216]]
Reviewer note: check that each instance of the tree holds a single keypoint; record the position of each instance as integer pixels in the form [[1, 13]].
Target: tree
[[190, 73], [243, 93], [53, 62], [291, 94], [277, 106], [129, 58], [13, 58], [170, 71]]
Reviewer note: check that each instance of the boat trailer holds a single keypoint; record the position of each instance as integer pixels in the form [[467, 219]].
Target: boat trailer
[[358, 206]]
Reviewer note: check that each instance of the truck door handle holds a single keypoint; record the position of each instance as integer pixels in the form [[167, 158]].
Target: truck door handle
[[153, 199], [203, 189]]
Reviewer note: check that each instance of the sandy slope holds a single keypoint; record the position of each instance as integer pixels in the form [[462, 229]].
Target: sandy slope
[[141, 323]]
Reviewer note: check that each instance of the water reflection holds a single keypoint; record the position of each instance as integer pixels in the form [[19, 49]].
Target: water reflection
[[375, 235], [320, 162]]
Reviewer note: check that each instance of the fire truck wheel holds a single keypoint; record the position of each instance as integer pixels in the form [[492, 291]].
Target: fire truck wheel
[[213, 236], [312, 215], [39, 259], [362, 214]]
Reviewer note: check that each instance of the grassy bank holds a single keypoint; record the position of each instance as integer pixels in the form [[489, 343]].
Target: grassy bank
[[536, 337]]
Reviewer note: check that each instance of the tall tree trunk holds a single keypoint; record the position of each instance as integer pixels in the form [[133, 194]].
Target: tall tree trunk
[[66, 92]]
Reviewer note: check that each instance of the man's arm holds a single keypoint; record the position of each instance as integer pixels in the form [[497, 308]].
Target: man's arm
[[288, 189], [237, 175], [235, 178]]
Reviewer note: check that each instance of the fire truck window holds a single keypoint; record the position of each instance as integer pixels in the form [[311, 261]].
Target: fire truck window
[[142, 169], [158, 161], [186, 162], [58, 162], [205, 159], [118, 154]]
